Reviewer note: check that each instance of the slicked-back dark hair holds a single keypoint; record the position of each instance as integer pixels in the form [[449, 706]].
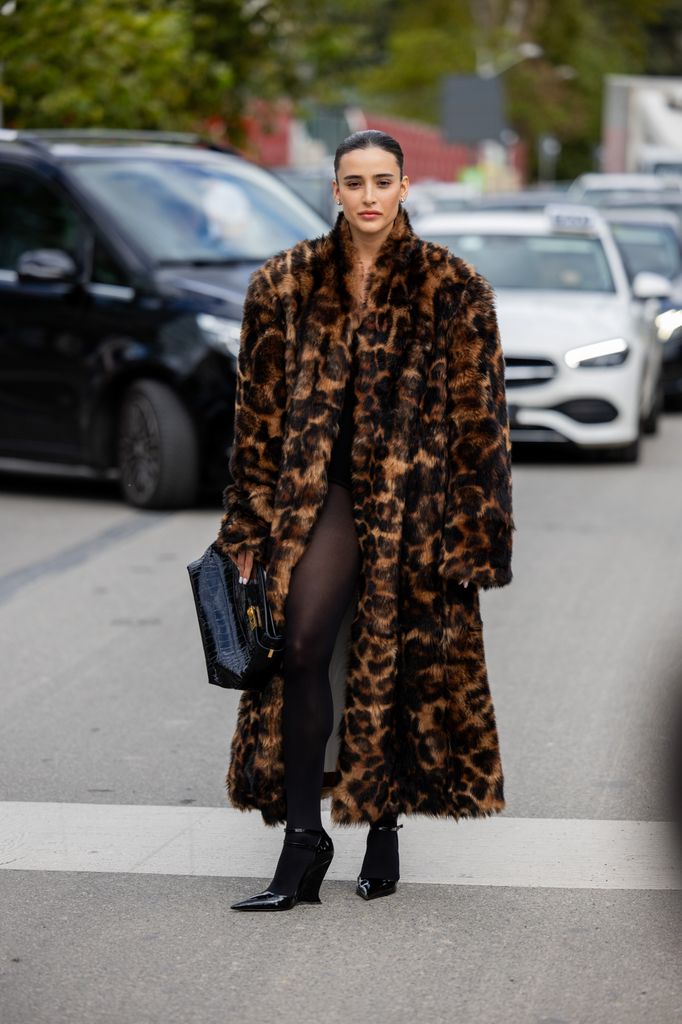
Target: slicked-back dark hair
[[365, 139]]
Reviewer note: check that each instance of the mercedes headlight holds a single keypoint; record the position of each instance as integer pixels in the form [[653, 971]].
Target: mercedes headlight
[[221, 333], [600, 353]]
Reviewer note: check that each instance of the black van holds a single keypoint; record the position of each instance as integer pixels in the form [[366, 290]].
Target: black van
[[124, 261]]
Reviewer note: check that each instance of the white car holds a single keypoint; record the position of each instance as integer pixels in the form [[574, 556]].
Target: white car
[[583, 359], [427, 197], [599, 189]]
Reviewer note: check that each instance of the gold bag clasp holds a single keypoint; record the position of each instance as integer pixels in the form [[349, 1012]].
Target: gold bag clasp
[[253, 615]]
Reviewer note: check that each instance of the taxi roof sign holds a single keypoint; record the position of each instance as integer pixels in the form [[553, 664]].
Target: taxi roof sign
[[573, 219]]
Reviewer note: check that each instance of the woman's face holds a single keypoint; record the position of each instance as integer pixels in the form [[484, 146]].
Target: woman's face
[[369, 187]]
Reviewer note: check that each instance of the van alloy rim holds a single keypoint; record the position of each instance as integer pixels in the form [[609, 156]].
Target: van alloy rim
[[139, 448]]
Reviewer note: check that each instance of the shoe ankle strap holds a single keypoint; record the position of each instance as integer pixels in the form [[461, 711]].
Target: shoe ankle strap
[[316, 832], [385, 828]]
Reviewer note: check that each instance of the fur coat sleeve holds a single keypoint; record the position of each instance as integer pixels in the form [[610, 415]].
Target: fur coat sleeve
[[478, 523], [258, 424]]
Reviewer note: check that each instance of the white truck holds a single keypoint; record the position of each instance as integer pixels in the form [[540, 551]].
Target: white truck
[[642, 125]]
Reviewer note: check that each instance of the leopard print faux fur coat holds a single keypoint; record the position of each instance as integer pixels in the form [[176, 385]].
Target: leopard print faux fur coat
[[431, 470]]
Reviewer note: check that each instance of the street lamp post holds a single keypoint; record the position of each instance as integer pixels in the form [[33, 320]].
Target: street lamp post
[[524, 51], [549, 149], [495, 151]]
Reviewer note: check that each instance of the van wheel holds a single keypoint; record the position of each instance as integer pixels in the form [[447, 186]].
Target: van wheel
[[158, 453]]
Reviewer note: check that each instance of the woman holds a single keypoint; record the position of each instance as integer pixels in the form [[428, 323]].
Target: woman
[[371, 459]]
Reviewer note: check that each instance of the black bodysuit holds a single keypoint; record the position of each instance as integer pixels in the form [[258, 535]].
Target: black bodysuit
[[339, 463]]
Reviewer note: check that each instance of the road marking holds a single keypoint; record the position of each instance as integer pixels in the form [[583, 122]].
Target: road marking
[[214, 841], [76, 555]]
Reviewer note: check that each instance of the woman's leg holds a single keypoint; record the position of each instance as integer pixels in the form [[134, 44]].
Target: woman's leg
[[321, 587], [381, 858]]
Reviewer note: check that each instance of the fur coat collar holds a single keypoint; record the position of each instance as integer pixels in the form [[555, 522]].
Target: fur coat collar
[[432, 504]]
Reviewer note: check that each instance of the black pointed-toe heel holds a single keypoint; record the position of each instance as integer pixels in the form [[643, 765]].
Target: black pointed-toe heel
[[371, 888], [308, 888]]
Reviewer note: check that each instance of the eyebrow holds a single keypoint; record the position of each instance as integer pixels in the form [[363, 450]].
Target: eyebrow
[[351, 177]]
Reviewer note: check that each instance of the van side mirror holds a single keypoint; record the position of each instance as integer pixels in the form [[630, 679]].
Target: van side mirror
[[651, 286], [47, 266]]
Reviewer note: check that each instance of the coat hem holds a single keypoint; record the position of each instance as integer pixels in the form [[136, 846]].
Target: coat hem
[[346, 821]]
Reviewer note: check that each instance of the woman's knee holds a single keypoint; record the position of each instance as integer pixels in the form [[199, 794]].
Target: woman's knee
[[304, 649]]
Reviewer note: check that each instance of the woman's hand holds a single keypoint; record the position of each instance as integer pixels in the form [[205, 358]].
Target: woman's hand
[[466, 582], [244, 562]]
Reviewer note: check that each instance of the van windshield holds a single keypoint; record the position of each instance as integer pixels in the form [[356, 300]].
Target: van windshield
[[191, 211]]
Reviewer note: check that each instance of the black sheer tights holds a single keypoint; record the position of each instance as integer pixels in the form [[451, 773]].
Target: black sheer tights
[[321, 586]]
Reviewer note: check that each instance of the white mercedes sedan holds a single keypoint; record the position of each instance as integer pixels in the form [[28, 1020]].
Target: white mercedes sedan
[[583, 359]]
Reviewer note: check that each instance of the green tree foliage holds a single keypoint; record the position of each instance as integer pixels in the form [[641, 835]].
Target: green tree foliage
[[300, 49], [593, 38], [74, 63], [664, 42], [424, 41], [243, 46], [559, 93], [176, 63]]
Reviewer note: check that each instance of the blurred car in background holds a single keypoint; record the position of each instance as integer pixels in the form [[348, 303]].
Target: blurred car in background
[[670, 201], [583, 360], [314, 186], [426, 197], [124, 262], [524, 199], [651, 241], [600, 189], [648, 241]]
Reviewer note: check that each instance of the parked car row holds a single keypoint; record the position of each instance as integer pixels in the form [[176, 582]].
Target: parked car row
[[124, 262], [642, 214]]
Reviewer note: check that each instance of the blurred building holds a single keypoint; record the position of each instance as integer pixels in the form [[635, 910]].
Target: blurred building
[[280, 138]]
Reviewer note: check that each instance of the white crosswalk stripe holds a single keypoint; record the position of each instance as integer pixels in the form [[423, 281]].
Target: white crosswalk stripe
[[215, 841]]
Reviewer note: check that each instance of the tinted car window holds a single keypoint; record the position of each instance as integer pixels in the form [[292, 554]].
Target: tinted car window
[[198, 211], [648, 247], [537, 262], [34, 216], [105, 269]]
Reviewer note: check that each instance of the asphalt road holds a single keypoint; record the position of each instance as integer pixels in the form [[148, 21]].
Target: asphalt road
[[564, 910]]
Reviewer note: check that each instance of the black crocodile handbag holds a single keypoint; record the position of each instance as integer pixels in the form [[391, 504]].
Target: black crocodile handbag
[[241, 647]]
